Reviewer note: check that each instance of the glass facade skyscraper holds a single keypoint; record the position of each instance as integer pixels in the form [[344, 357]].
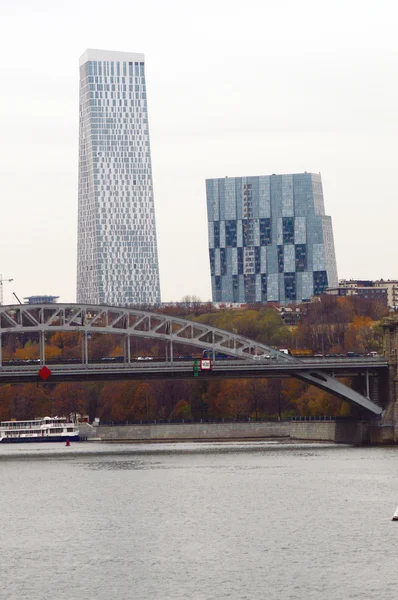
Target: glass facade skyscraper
[[117, 259], [269, 239]]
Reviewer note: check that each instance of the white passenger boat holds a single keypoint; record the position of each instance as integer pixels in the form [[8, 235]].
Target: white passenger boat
[[395, 515], [48, 429]]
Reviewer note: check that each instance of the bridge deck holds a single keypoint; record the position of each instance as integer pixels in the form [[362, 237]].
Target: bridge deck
[[184, 369]]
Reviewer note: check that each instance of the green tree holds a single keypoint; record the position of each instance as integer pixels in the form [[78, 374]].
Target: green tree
[[182, 410]]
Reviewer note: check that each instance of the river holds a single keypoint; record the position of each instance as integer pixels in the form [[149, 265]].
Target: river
[[198, 521]]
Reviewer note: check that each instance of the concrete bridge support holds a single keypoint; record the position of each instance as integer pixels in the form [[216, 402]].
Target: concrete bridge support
[[388, 432]]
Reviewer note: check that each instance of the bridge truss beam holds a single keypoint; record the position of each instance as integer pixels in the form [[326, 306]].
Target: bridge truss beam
[[129, 322]]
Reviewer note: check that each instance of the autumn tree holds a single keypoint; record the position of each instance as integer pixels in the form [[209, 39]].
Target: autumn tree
[[116, 401], [167, 394], [263, 325], [182, 411], [198, 395], [92, 400], [7, 396], [143, 405], [30, 351], [23, 402], [316, 402], [218, 402], [65, 339], [101, 346], [257, 391], [68, 399]]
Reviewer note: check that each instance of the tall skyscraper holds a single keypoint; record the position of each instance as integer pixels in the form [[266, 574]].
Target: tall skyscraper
[[269, 239], [117, 259]]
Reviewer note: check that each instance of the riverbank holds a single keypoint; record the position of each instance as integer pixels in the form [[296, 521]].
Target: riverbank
[[345, 432]]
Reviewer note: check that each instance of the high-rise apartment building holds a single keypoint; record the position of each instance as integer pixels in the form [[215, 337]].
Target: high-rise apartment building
[[269, 239], [117, 259]]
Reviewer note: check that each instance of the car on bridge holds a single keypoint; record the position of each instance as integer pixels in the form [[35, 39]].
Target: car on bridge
[[263, 357]]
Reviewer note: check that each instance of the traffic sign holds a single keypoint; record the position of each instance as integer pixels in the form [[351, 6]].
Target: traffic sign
[[44, 373], [195, 368], [206, 364]]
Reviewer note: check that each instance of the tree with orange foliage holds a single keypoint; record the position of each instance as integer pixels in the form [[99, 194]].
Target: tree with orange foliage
[[68, 399], [219, 403], [116, 401], [232, 400], [316, 402], [257, 390], [142, 408], [361, 335], [52, 352], [22, 402], [182, 411], [30, 351], [6, 402], [65, 339], [291, 389], [101, 345]]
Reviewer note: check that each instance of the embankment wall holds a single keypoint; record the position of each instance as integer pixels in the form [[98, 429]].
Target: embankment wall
[[193, 431], [316, 431], [313, 430]]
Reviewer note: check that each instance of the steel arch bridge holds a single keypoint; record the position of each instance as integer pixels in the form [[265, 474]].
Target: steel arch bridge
[[129, 322]]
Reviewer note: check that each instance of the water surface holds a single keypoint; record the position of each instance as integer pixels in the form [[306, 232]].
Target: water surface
[[202, 521]]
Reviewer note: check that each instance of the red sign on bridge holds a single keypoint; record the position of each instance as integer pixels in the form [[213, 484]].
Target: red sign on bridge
[[44, 373]]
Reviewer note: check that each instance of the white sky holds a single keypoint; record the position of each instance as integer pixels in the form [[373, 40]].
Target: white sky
[[234, 88]]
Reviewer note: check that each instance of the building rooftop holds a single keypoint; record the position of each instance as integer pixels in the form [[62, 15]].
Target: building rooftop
[[41, 299], [112, 55]]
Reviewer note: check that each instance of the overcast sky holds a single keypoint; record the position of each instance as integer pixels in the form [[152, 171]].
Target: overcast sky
[[234, 88]]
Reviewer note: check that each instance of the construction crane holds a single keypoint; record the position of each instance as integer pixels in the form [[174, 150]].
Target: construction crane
[[1, 287]]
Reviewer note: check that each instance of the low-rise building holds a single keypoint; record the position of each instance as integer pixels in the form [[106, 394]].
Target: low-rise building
[[392, 290], [364, 288], [41, 299]]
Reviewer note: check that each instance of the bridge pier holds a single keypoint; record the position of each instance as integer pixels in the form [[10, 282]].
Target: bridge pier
[[374, 389], [390, 347]]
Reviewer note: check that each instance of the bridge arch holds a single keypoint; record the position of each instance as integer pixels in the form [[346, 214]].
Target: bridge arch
[[131, 322]]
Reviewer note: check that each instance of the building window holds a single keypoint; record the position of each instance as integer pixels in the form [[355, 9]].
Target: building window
[[217, 281], [240, 261], [320, 282], [216, 234], [257, 260], [264, 287], [230, 234], [212, 262], [250, 288], [301, 257], [223, 261], [290, 286], [235, 288], [280, 259], [265, 232], [245, 232], [288, 230]]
